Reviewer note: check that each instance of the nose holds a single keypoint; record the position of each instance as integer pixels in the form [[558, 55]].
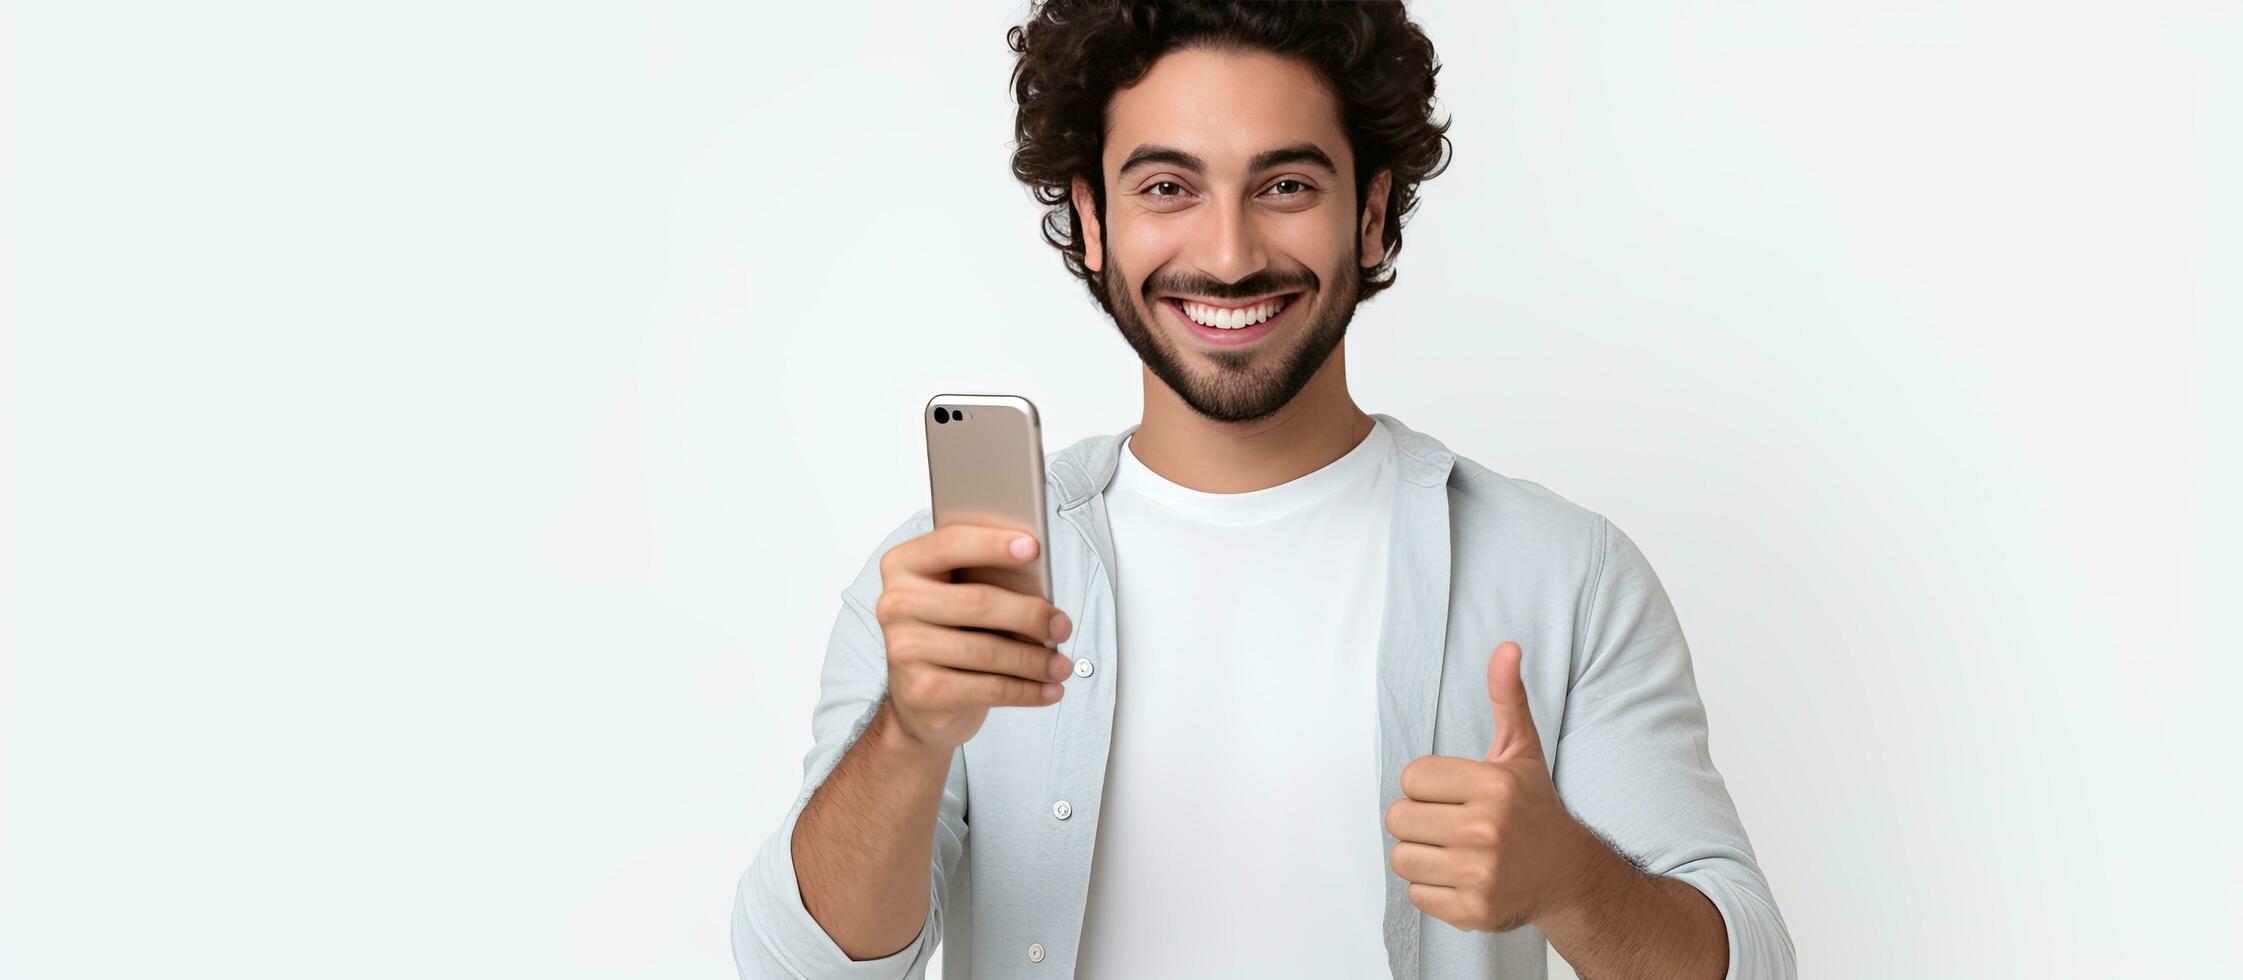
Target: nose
[[1231, 243]]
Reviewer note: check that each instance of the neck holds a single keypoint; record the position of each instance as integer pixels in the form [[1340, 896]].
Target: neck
[[1319, 425]]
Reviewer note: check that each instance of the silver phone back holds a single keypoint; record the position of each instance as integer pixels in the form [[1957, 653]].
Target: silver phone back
[[987, 468]]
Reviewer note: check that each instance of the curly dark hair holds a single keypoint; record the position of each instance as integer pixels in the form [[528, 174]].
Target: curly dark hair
[[1073, 55]]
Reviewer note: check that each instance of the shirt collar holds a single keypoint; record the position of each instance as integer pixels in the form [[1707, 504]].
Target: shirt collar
[[1084, 469]]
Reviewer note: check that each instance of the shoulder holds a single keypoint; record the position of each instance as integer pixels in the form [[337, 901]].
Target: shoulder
[[1532, 539], [1522, 518], [1528, 523]]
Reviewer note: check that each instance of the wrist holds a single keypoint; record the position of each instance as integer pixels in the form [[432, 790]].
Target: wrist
[[888, 732], [1589, 875]]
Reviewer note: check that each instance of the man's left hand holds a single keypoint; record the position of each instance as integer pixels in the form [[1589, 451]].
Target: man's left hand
[[1487, 845]]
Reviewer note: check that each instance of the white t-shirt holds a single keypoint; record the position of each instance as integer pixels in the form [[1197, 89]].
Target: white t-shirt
[[1248, 627]]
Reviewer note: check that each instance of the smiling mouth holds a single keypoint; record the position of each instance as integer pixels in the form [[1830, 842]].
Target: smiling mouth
[[1237, 326], [1230, 317]]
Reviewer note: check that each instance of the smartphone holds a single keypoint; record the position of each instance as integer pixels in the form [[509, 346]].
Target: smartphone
[[985, 465]]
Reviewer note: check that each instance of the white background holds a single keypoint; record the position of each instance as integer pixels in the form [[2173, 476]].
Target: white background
[[438, 434]]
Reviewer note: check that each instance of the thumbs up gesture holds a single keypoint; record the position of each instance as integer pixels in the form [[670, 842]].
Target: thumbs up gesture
[[1486, 844]]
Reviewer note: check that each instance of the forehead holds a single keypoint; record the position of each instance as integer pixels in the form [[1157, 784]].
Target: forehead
[[1224, 107]]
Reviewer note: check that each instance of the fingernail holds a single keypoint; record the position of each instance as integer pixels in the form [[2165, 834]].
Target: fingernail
[[1059, 666], [1023, 547], [1059, 627]]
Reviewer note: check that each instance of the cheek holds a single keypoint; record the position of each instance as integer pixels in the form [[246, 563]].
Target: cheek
[[1143, 252], [1312, 244], [1150, 240]]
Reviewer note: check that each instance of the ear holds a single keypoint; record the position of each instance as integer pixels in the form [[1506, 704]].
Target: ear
[[1086, 213], [1373, 232]]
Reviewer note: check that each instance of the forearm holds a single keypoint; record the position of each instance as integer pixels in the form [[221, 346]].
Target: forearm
[[864, 842], [1620, 922]]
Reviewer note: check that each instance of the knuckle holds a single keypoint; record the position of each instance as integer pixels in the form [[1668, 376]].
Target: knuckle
[[925, 644], [902, 645], [1001, 690], [908, 687], [1480, 833], [937, 686], [975, 690], [975, 602], [987, 652], [889, 608], [998, 656], [975, 651], [1502, 781], [1022, 615]]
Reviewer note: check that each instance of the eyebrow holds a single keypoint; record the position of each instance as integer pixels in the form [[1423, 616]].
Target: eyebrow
[[1305, 153]]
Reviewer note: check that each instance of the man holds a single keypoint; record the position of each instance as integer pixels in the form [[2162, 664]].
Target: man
[[1281, 623]]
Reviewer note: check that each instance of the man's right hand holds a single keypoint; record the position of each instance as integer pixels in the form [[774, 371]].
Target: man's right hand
[[943, 677]]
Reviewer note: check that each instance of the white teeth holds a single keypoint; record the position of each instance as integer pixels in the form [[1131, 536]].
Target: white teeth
[[1232, 319]]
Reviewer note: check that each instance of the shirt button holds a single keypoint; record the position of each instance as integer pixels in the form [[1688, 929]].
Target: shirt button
[[1082, 667], [1062, 810], [1035, 952]]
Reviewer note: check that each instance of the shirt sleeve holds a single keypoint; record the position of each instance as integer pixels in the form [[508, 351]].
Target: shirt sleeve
[[773, 934], [1633, 760]]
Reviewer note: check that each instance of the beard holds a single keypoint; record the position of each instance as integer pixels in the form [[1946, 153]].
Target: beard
[[1246, 383]]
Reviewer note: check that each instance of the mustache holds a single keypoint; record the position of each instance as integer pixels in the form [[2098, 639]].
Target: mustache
[[1260, 285]]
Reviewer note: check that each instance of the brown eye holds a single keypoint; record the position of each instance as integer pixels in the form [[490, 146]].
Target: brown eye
[[1303, 187], [1165, 183]]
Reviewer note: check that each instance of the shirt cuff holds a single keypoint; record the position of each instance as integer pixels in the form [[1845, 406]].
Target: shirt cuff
[[1759, 946], [773, 933]]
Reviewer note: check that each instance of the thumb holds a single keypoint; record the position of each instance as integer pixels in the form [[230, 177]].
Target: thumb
[[1515, 737]]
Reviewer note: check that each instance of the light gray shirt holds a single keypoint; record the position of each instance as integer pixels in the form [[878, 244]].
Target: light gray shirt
[[1474, 558]]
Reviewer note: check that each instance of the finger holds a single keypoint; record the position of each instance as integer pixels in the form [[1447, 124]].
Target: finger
[[952, 546], [1435, 824], [977, 605], [1439, 901], [986, 652], [1515, 737], [955, 689], [1445, 779], [1426, 864]]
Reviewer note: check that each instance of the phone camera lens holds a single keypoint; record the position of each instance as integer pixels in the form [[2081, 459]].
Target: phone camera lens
[[942, 415]]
